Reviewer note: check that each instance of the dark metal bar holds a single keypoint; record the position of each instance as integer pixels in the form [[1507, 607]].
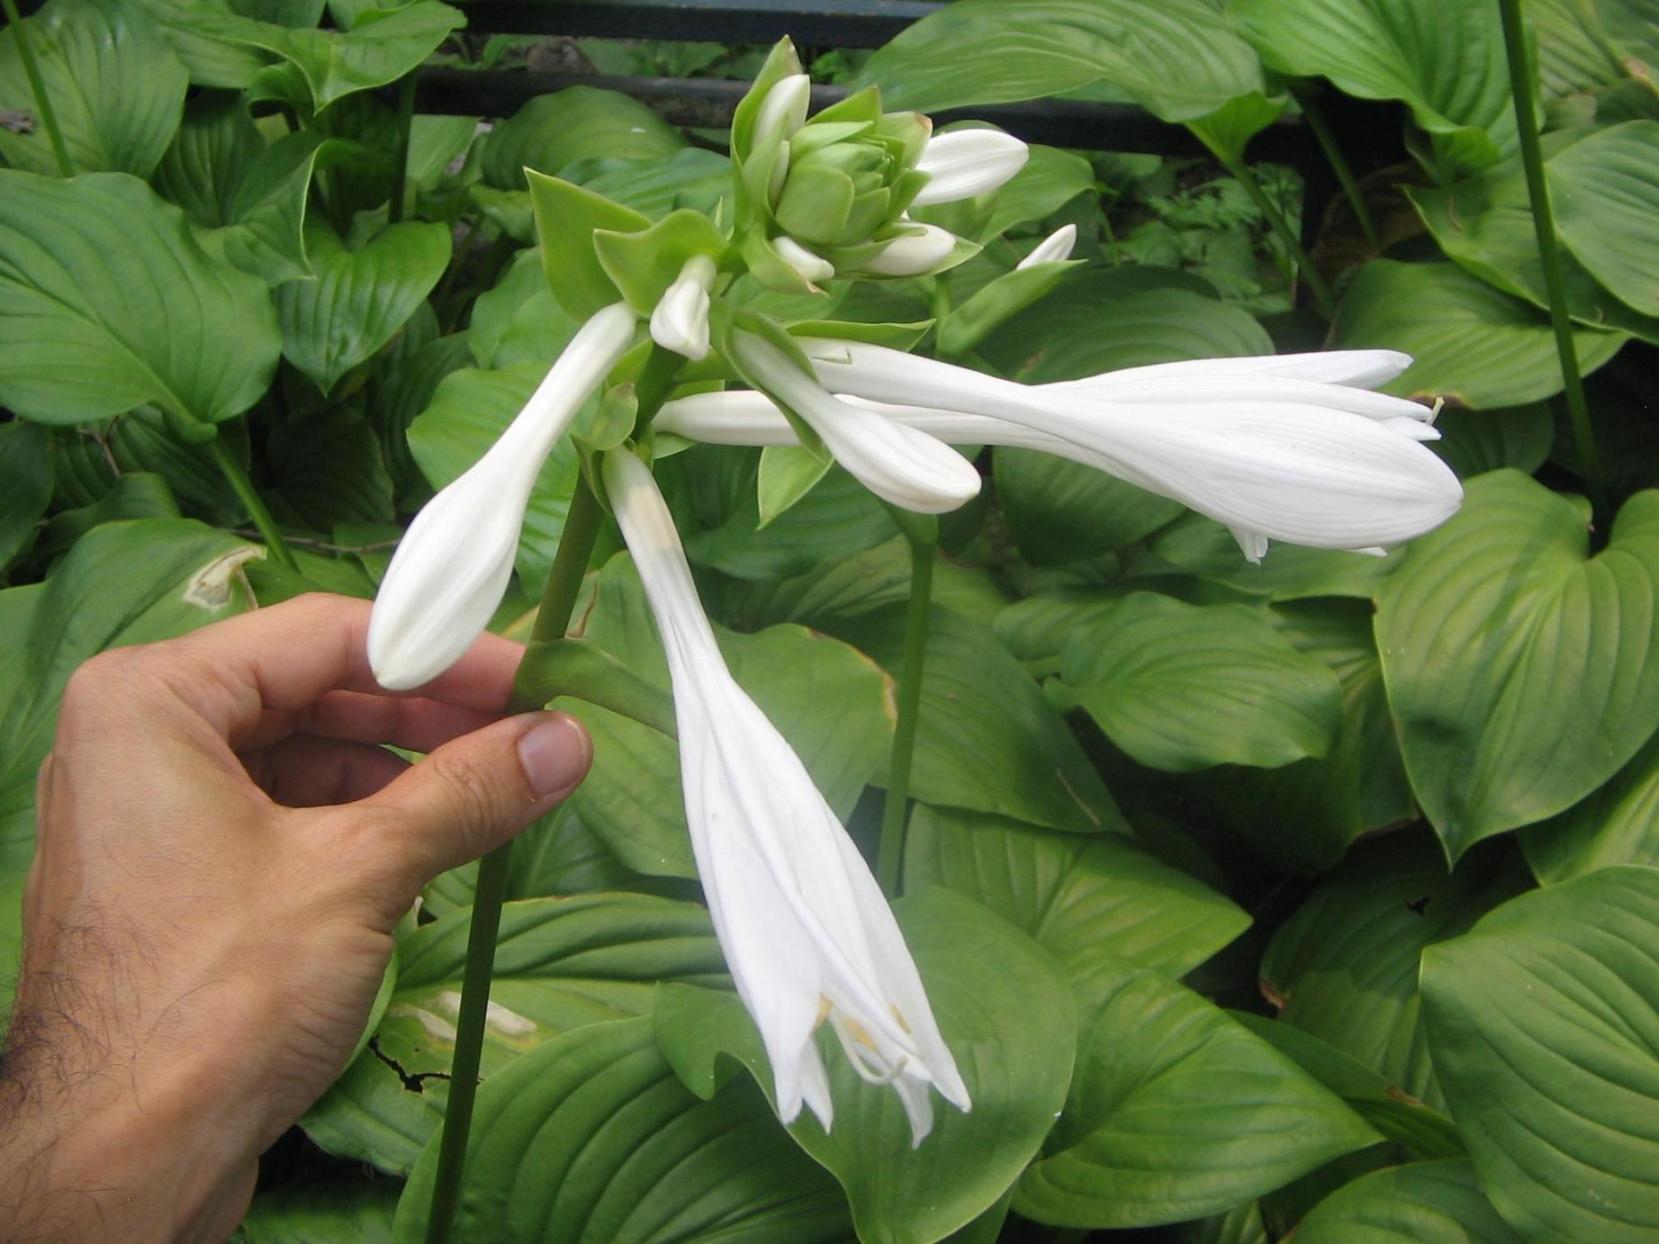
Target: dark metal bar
[[830, 23], [709, 103]]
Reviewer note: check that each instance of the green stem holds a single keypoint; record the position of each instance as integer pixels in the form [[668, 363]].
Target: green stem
[[1322, 291], [558, 602], [1315, 117], [923, 541], [242, 486], [37, 85], [1543, 223], [400, 169]]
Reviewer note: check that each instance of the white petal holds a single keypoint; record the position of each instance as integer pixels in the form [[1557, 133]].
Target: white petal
[[783, 111], [907, 468], [1251, 543], [965, 163], [1364, 369], [813, 269], [452, 565], [1055, 246], [680, 321], [912, 254]]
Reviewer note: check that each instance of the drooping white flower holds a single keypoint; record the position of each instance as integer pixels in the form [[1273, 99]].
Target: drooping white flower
[[965, 163], [811, 268], [805, 929], [1055, 246], [452, 565], [911, 254], [907, 468], [1289, 460], [680, 321]]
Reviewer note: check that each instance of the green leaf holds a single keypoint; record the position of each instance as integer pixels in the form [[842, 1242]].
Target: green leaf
[[1228, 130], [1483, 628], [25, 485], [359, 298], [1203, 547], [208, 156], [125, 583], [1177, 1111], [1605, 191], [1178, 58], [591, 1138], [1060, 511], [138, 495], [690, 177], [330, 468], [561, 964], [996, 302], [985, 981], [1446, 62], [1472, 344], [1072, 894], [372, 1115], [1422, 1203], [1484, 223], [551, 132], [11, 906], [582, 669], [266, 234], [1473, 442], [1618, 824], [1050, 179], [107, 302], [115, 88], [303, 1212], [787, 474], [1184, 687], [1344, 966], [1542, 1022], [987, 739], [644, 264], [1633, 34], [566, 217], [1109, 318]]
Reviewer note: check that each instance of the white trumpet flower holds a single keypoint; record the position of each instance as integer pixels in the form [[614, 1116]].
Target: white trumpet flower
[[452, 565], [681, 320], [912, 254], [965, 163], [907, 468], [805, 929], [1055, 246]]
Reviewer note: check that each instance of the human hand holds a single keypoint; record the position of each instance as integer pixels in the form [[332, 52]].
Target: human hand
[[223, 853]]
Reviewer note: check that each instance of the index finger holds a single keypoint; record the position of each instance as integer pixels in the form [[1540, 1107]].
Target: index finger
[[285, 657]]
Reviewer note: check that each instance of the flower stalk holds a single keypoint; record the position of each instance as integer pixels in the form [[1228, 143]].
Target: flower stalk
[[1543, 224], [243, 487], [922, 535]]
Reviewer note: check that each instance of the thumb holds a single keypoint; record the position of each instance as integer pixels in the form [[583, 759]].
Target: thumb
[[475, 792]]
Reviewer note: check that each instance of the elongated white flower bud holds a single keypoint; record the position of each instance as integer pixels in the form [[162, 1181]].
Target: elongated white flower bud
[[907, 468], [912, 254], [804, 927], [783, 111], [813, 269], [681, 320], [452, 565], [1055, 246], [965, 163]]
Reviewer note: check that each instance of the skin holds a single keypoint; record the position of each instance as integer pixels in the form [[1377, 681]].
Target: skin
[[224, 850]]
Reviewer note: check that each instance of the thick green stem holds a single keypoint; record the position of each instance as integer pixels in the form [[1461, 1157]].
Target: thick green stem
[[37, 86], [558, 602], [1543, 223], [1322, 291], [923, 541], [238, 479], [400, 167], [1315, 117]]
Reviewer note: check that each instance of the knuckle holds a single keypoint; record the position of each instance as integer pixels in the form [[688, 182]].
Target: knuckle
[[472, 795], [95, 680]]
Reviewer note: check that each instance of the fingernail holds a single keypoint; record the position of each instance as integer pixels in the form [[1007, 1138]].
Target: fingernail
[[555, 754]]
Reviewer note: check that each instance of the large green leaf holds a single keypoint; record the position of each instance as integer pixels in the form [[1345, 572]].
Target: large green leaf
[[266, 234], [1184, 687], [330, 469], [358, 298], [1073, 894], [25, 485], [125, 583], [1121, 317], [374, 1114], [986, 982], [1472, 344], [1522, 673], [1575, 56], [1473, 442], [987, 740], [1422, 1203], [1176, 1111], [1605, 191], [305, 1212], [577, 123], [1619, 824], [208, 156], [591, 1138], [115, 88], [1444, 60], [1059, 511], [1179, 58], [1544, 1022], [1344, 966], [1050, 179], [1203, 547], [107, 302], [830, 702], [1485, 224]]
